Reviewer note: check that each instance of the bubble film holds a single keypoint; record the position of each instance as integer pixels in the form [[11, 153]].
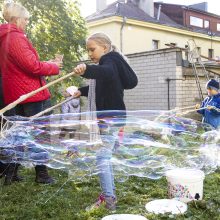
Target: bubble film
[[136, 143]]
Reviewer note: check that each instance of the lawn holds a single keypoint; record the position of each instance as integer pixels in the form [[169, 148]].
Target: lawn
[[29, 201]]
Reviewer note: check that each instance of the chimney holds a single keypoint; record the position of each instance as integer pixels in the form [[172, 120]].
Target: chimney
[[203, 6], [101, 5], [159, 12], [146, 5]]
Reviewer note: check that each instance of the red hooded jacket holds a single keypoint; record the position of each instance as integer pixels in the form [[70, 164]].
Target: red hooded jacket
[[22, 71]]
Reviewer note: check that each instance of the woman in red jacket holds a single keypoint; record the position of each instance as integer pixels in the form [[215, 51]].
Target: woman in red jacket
[[23, 72]]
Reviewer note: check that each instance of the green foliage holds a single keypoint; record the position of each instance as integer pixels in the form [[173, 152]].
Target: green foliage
[[56, 26]]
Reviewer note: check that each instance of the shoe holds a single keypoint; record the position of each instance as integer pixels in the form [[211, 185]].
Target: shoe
[[3, 168], [108, 201], [11, 174], [42, 175]]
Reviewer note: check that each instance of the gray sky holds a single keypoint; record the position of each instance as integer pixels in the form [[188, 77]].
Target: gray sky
[[89, 6]]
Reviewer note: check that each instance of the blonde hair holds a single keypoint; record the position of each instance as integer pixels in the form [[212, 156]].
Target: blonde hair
[[104, 40], [14, 10]]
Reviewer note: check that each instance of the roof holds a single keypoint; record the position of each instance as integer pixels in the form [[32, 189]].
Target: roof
[[128, 10], [131, 11], [194, 7]]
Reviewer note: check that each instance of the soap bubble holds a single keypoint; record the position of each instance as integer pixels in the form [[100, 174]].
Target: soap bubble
[[144, 143]]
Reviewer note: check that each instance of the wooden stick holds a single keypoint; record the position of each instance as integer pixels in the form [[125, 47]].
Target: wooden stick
[[174, 110], [180, 109], [186, 112], [24, 97], [51, 108]]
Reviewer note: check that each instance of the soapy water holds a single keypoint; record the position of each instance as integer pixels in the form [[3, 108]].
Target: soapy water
[[143, 144]]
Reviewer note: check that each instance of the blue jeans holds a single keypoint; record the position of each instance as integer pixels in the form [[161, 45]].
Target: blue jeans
[[104, 165]]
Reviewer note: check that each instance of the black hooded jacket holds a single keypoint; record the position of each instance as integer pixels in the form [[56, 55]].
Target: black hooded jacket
[[109, 85]]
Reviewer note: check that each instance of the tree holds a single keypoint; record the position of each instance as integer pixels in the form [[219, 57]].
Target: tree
[[56, 26]]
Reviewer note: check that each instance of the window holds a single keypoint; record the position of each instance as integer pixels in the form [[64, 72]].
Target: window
[[194, 21], [155, 44], [206, 24], [218, 27], [211, 53]]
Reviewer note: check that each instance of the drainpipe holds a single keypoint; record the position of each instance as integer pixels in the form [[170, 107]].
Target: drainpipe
[[168, 89], [159, 12], [121, 33]]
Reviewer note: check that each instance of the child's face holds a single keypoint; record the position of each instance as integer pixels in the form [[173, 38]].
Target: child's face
[[95, 51], [212, 92]]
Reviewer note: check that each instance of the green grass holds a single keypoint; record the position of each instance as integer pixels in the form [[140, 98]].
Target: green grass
[[30, 201]]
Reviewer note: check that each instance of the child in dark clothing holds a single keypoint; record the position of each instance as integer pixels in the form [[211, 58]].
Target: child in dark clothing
[[105, 93]]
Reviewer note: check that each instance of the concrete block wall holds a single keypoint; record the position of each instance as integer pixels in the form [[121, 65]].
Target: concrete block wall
[[190, 93], [152, 69]]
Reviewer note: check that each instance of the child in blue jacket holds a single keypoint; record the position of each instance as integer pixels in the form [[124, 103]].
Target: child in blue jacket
[[211, 105]]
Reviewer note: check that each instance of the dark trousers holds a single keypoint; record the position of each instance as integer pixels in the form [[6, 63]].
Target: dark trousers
[[30, 109]]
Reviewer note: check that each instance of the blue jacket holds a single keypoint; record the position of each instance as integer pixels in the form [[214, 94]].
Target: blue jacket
[[212, 116]]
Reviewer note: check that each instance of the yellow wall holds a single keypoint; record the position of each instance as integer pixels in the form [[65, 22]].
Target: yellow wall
[[138, 36]]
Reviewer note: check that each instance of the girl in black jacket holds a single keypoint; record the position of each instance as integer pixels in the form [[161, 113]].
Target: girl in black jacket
[[105, 93]]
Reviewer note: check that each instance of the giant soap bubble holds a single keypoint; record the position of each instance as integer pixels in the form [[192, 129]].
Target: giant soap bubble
[[143, 144]]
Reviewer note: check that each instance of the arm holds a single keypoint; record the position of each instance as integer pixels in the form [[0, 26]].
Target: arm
[[103, 72], [215, 108], [84, 91], [202, 111], [23, 56]]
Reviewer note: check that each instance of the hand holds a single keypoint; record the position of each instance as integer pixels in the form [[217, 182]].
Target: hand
[[197, 106], [66, 94], [80, 69], [58, 63], [59, 57], [77, 94], [209, 107]]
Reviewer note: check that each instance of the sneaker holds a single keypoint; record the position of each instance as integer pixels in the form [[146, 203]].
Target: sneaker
[[97, 204], [109, 203]]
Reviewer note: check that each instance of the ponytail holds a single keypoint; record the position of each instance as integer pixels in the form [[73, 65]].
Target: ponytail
[[103, 39], [115, 49]]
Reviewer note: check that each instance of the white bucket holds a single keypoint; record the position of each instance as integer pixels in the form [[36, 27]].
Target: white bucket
[[124, 217], [185, 184]]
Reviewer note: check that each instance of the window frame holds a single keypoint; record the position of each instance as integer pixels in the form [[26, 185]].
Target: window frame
[[202, 20], [157, 43]]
